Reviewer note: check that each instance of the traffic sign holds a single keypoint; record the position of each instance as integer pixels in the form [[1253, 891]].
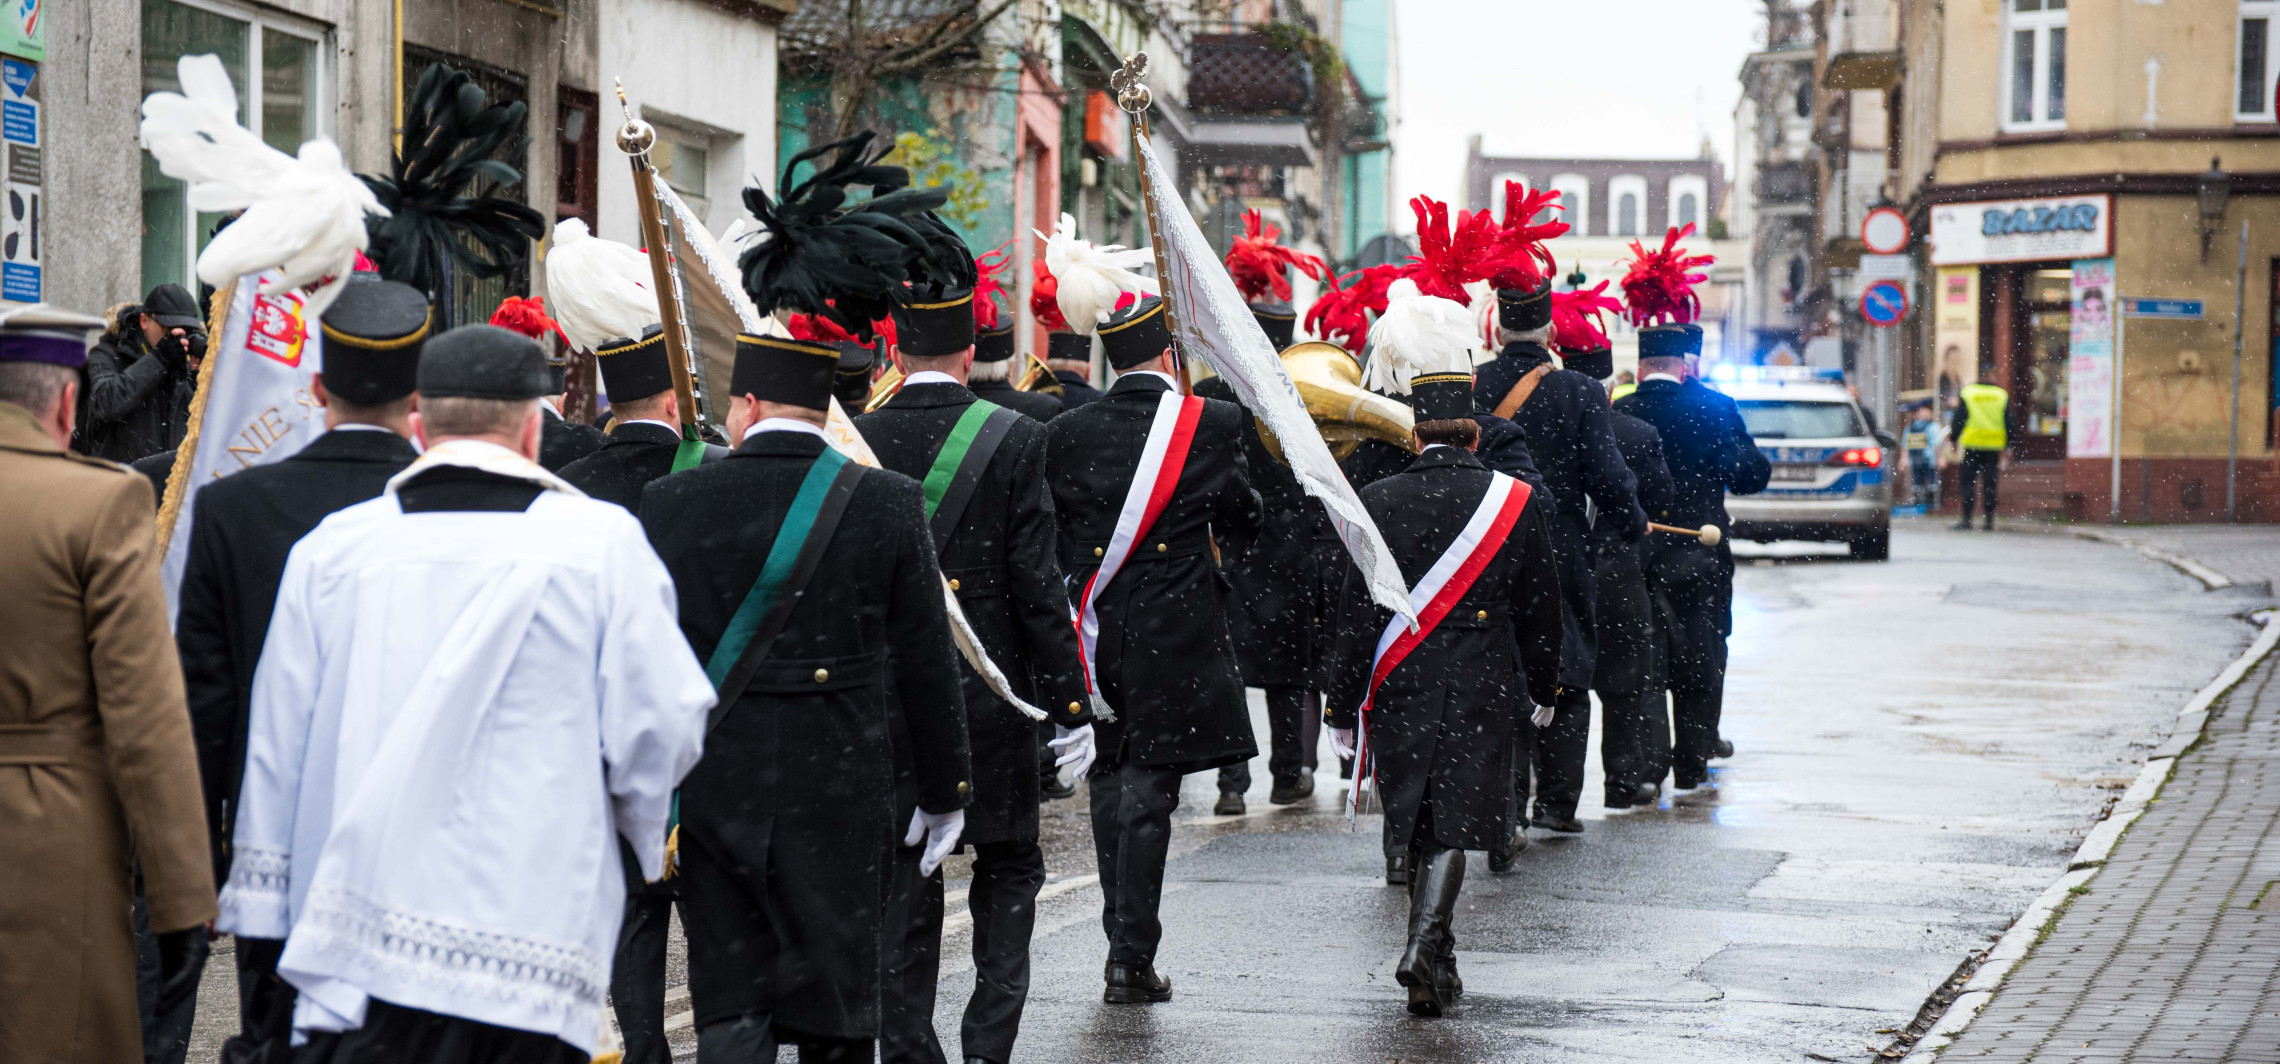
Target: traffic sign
[[1900, 268], [2179, 309], [1884, 303], [1885, 231]]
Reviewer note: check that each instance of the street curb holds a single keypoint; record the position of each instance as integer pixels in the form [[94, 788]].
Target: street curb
[[2209, 578], [2099, 844]]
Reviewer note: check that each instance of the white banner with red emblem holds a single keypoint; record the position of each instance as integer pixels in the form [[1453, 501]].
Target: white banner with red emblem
[[1161, 460], [253, 407], [1438, 592]]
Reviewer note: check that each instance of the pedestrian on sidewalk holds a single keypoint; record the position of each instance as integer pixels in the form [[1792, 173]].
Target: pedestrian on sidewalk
[[1923, 446], [1979, 431], [100, 774]]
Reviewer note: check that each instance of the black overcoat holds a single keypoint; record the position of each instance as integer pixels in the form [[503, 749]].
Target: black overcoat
[[1710, 452], [787, 819], [562, 441], [1038, 405], [1165, 661], [240, 533], [1627, 661], [1076, 389], [1003, 562], [1277, 584], [637, 453], [1443, 722], [1565, 423]]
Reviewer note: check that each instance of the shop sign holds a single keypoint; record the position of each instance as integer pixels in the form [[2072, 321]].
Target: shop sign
[[2026, 230], [23, 28], [2090, 361], [2173, 309]]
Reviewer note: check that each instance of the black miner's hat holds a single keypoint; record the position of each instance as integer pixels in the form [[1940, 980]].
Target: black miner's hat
[[373, 335]]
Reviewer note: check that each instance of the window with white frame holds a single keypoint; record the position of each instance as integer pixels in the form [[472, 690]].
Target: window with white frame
[[1689, 196], [1627, 200], [2034, 65], [1496, 191], [281, 67], [1575, 202], [2254, 71]]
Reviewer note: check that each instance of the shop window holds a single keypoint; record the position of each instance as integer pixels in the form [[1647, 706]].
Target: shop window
[[2034, 91], [2255, 69], [279, 67]]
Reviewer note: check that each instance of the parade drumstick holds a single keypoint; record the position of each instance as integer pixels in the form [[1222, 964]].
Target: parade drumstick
[[1710, 535]]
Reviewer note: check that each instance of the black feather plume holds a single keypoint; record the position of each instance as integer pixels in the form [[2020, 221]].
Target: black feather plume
[[450, 135], [821, 256]]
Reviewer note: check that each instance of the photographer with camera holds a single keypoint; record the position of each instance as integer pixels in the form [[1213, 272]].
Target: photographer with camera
[[140, 378]]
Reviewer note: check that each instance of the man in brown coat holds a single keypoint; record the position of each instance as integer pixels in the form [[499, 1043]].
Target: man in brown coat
[[97, 771]]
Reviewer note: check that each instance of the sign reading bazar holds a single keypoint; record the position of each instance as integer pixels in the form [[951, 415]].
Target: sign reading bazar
[[2027, 230]]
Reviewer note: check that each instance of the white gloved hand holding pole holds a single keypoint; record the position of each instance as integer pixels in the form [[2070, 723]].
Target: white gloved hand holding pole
[[940, 830], [1342, 741], [1073, 746], [1542, 717]]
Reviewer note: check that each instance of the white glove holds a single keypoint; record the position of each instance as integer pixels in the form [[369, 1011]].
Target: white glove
[[941, 831], [1075, 747], [1342, 740], [1542, 717]]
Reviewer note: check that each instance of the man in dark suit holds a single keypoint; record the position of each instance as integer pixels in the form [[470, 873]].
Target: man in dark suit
[[1710, 452], [785, 823], [645, 436], [993, 524], [562, 441], [1069, 356], [992, 376], [1627, 673], [243, 528], [1563, 414], [1159, 651]]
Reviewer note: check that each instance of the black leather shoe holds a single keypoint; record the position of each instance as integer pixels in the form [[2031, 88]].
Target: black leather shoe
[[1297, 790], [1229, 804], [1432, 902], [1724, 749], [1501, 862], [1990, 525], [1618, 797], [1565, 825], [1397, 870], [1135, 985], [1050, 787], [1648, 794], [1963, 525]]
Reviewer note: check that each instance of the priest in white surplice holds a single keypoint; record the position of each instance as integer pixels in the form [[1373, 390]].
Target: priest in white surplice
[[471, 686]]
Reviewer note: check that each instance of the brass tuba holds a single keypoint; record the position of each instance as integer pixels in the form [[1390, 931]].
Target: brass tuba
[[1330, 383]]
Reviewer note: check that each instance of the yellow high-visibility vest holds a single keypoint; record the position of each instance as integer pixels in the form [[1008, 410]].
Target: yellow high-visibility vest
[[1983, 418], [1621, 390]]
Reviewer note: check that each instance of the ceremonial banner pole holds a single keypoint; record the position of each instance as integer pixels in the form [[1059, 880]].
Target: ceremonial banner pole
[[635, 138], [1133, 96]]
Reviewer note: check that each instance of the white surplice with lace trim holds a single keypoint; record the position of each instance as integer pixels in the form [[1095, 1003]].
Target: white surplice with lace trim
[[455, 716]]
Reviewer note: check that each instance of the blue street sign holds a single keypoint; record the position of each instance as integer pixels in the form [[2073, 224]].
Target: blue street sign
[[2181, 309], [1884, 303]]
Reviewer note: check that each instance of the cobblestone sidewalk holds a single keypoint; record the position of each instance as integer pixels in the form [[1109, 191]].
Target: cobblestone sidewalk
[[2172, 951]]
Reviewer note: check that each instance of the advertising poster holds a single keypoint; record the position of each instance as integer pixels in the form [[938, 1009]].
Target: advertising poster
[[1955, 329], [2090, 361], [21, 223]]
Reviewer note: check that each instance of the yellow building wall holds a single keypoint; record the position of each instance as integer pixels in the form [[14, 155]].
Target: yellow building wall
[[2177, 375]]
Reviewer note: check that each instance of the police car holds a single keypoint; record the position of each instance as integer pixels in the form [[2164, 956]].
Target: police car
[[1832, 474]]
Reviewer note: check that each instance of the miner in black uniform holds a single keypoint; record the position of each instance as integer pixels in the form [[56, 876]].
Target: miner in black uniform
[[786, 823], [992, 375], [993, 525], [1439, 729], [243, 528], [562, 441], [645, 433], [1163, 661], [1710, 452], [1069, 356], [1563, 414], [1276, 607]]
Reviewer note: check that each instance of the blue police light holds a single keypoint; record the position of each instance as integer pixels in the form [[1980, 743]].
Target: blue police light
[[1722, 372]]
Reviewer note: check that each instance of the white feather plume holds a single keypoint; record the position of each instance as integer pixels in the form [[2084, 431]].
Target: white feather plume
[[1090, 277], [303, 214], [597, 289], [1418, 334]]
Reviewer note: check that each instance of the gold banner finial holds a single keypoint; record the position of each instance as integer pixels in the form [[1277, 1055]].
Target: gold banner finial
[[1131, 92]]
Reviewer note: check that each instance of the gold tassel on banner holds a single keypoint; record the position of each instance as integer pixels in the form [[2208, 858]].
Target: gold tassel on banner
[[178, 481]]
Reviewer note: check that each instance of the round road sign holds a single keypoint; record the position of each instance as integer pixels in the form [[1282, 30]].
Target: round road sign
[[1884, 303], [1885, 231]]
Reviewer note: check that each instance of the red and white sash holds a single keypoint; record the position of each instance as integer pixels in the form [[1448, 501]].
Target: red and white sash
[[1438, 592], [1152, 483]]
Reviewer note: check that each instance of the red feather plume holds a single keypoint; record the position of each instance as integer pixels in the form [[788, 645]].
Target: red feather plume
[[526, 316], [1044, 304], [1342, 313], [818, 328], [1659, 288], [1260, 264], [1528, 263], [989, 283], [1449, 258], [1575, 318]]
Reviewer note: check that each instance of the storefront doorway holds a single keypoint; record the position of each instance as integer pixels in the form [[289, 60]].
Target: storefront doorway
[[2031, 322]]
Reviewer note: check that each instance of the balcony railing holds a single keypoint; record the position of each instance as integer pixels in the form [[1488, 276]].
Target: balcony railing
[[1864, 45], [1244, 73], [1784, 184]]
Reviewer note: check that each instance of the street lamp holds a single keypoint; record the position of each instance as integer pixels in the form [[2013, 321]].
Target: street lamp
[[2211, 191]]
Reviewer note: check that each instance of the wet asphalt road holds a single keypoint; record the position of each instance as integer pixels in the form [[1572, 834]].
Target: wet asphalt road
[[1920, 746]]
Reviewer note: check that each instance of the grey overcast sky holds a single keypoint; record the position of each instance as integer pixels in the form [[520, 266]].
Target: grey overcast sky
[[1564, 78]]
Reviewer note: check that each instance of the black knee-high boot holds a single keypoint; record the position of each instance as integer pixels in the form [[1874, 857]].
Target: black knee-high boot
[[1439, 874]]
